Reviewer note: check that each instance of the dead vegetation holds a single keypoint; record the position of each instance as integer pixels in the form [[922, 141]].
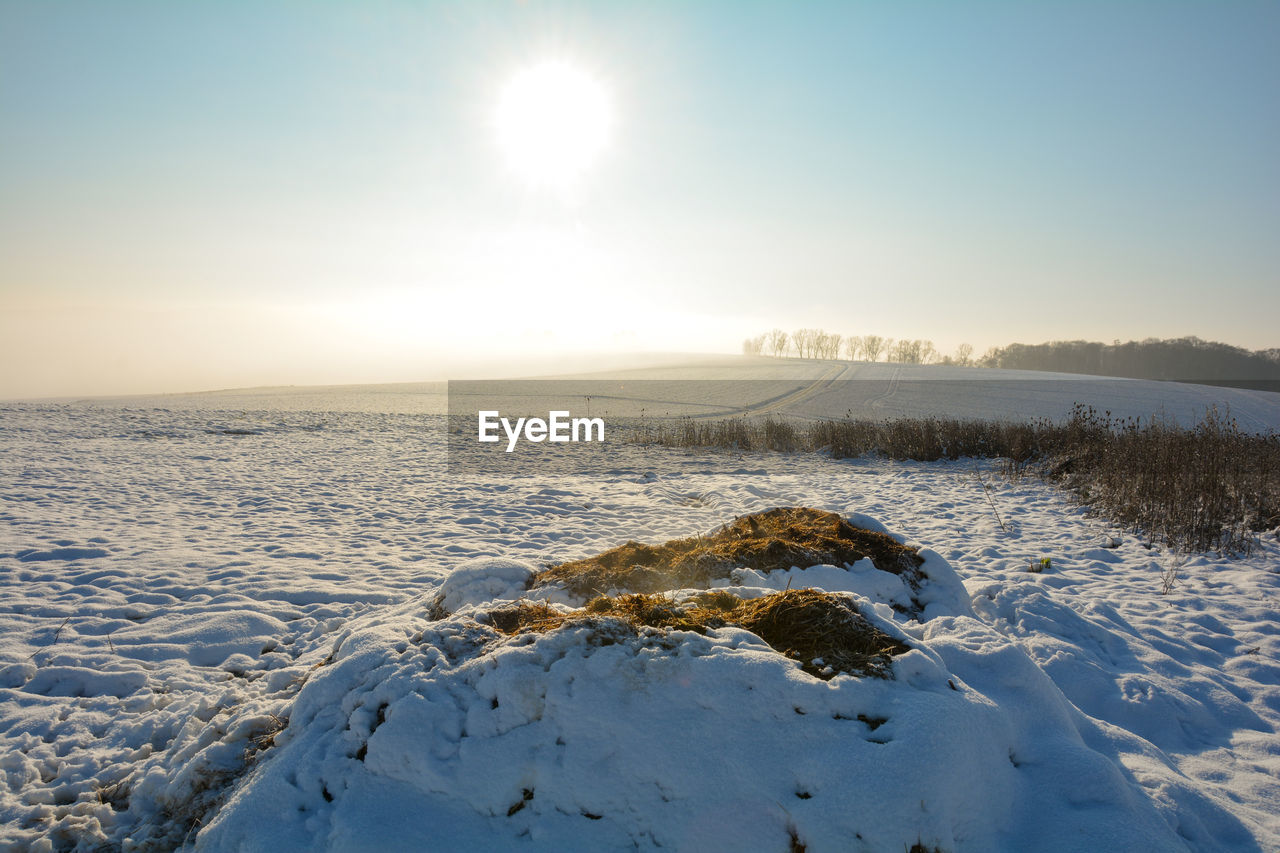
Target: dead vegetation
[[823, 631], [775, 539], [264, 737], [1209, 487]]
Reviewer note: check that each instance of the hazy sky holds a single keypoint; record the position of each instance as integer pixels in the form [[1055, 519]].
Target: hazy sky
[[207, 195]]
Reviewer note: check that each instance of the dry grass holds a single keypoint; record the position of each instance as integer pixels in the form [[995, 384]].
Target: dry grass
[[824, 632], [1210, 487], [921, 439], [525, 616], [265, 736], [776, 539]]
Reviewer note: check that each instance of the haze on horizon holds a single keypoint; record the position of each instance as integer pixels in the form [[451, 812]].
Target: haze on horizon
[[205, 195]]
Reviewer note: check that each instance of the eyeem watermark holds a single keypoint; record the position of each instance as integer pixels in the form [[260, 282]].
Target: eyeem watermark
[[558, 427]]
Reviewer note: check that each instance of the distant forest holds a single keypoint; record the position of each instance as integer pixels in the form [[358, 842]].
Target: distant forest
[[1181, 359]]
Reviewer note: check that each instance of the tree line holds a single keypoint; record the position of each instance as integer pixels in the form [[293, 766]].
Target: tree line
[[821, 344], [1185, 359]]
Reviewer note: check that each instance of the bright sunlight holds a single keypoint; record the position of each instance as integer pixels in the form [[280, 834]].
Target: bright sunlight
[[552, 122]]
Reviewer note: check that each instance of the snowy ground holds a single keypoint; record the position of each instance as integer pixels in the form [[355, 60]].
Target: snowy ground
[[180, 576], [815, 389]]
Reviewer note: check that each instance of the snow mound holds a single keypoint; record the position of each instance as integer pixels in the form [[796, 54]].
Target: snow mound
[[205, 639], [482, 580], [447, 734]]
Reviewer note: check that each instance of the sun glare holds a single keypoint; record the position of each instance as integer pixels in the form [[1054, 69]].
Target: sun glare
[[552, 120]]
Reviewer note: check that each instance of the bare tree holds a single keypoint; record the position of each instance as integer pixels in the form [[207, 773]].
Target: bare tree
[[820, 343], [803, 341], [913, 351], [814, 339], [825, 344]]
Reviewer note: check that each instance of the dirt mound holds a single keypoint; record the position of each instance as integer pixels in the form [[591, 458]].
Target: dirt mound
[[775, 539], [825, 632]]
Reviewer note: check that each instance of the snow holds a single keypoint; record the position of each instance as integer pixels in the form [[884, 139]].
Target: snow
[[485, 580], [181, 576], [802, 389]]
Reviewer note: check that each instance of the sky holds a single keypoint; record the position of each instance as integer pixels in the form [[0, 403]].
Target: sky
[[207, 195]]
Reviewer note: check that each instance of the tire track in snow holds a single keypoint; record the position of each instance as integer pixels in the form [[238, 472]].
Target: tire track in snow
[[777, 404]]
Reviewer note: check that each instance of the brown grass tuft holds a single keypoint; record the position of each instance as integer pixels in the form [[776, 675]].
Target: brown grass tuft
[[525, 616], [824, 632], [776, 539]]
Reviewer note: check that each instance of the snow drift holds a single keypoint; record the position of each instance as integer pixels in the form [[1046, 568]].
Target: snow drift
[[449, 734]]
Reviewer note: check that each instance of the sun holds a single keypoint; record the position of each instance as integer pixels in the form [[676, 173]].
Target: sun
[[552, 121]]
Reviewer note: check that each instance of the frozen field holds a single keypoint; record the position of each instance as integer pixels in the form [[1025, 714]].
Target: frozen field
[[181, 576], [705, 386]]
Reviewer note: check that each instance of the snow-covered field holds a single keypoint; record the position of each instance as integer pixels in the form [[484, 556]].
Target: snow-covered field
[[182, 576], [807, 389]]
